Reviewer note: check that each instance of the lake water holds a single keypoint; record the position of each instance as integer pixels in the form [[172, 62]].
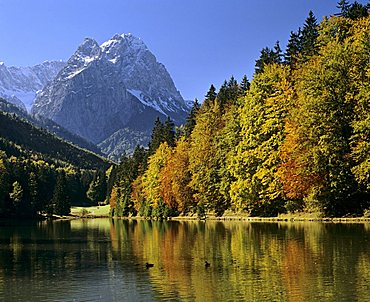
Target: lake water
[[104, 260]]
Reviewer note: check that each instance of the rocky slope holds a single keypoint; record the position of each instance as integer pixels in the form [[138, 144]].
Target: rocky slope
[[109, 87], [19, 85]]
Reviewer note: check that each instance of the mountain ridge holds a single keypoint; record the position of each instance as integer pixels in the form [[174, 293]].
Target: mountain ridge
[[19, 85], [115, 85]]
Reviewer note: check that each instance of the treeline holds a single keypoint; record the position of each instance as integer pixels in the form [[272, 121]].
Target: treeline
[[41, 174], [297, 138]]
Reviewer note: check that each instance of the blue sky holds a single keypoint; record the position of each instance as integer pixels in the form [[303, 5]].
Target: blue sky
[[199, 41]]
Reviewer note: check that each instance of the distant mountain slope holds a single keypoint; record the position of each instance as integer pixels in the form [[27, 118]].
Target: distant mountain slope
[[103, 89], [19, 85], [49, 125], [16, 132]]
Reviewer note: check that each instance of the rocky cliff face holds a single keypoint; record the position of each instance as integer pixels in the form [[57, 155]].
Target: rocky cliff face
[[19, 85], [103, 89]]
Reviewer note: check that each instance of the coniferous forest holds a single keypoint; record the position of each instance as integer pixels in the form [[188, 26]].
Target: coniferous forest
[[295, 139], [41, 174]]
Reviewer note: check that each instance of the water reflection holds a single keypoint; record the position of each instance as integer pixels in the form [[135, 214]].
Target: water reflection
[[104, 260]]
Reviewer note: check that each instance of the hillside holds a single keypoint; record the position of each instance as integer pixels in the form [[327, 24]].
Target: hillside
[[51, 126], [17, 131]]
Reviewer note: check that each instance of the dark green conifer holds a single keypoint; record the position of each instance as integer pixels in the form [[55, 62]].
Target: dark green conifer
[[157, 136], [309, 36], [343, 5], [169, 133], [244, 86], [357, 11], [293, 48], [60, 201], [211, 94], [191, 119]]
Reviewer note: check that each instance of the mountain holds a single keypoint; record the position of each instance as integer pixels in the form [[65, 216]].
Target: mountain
[[18, 136], [51, 126], [19, 85], [109, 87]]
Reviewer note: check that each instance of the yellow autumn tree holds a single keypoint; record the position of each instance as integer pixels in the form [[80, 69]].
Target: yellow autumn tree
[[175, 179]]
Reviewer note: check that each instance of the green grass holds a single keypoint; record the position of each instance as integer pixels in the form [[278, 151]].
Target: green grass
[[91, 211]]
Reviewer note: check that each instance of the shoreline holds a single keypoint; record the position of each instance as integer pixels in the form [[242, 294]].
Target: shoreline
[[233, 218]]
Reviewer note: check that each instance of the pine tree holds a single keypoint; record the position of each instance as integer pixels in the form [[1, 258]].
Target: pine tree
[[293, 48], [223, 94], [211, 94], [33, 190], [190, 120], [60, 199], [233, 89], [244, 86], [309, 36], [157, 136], [268, 56], [344, 6], [278, 53], [169, 133], [357, 11]]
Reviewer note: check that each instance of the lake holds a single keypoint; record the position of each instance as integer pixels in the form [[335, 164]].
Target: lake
[[104, 260]]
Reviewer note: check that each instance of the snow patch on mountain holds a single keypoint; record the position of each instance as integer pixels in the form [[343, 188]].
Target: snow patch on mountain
[[19, 85]]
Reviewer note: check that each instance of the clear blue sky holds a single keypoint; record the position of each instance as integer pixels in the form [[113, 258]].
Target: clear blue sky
[[199, 41]]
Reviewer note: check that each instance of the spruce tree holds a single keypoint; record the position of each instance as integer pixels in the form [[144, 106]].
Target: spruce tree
[[223, 94], [267, 56], [244, 86], [233, 89], [60, 199], [33, 191], [211, 94], [278, 53], [343, 5], [169, 133], [190, 120], [157, 136], [293, 48], [357, 11], [309, 36]]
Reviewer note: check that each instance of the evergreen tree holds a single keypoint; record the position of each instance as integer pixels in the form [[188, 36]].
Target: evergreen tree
[[157, 136], [278, 53], [268, 56], [60, 201], [97, 189], [293, 48], [34, 192], [344, 6], [211, 94], [357, 11], [309, 36], [223, 94], [190, 120], [232, 90], [244, 86], [169, 133]]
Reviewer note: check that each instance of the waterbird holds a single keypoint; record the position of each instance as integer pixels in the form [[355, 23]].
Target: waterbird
[[148, 265], [207, 264]]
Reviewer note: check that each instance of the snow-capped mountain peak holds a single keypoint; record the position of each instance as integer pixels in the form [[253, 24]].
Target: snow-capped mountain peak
[[119, 84], [19, 85]]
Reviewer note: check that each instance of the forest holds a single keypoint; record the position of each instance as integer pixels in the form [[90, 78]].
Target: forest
[[294, 139], [42, 175]]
